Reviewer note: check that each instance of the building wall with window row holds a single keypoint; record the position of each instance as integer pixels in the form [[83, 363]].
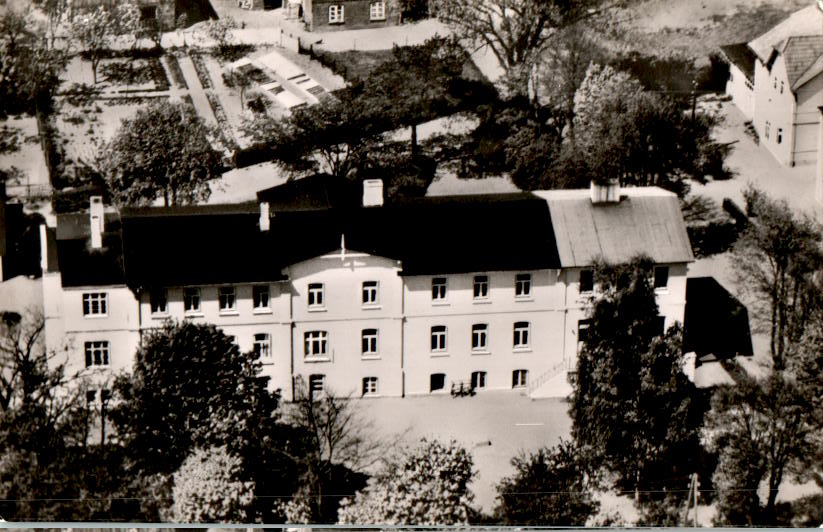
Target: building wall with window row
[[356, 310], [331, 15]]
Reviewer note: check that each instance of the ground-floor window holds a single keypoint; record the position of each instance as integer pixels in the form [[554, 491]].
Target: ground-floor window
[[369, 385], [317, 383], [478, 379], [437, 381], [520, 378]]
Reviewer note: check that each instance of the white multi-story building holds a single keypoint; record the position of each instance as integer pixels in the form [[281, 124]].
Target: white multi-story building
[[368, 299]]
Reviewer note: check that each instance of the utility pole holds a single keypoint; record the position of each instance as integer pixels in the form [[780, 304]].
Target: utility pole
[[695, 499]]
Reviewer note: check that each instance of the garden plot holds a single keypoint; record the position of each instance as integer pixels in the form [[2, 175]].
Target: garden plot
[[117, 75]]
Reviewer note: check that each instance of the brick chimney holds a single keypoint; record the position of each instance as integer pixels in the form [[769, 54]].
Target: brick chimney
[[373, 193], [97, 221], [605, 192]]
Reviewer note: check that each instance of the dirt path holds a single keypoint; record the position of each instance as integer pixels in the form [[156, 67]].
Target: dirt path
[[198, 95]]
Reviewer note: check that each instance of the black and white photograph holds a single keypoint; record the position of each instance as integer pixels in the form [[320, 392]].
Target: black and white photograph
[[411, 263]]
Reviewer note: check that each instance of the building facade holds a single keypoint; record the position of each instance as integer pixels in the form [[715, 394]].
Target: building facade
[[785, 92], [333, 15], [489, 292]]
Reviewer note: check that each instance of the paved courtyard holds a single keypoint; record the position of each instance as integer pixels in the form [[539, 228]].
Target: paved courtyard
[[494, 426]]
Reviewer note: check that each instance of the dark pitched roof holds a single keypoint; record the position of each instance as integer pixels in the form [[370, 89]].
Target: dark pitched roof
[[804, 58], [319, 191], [79, 264], [196, 245], [741, 56], [715, 322]]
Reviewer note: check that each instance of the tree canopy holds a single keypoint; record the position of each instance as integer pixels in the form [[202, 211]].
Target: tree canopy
[[633, 407], [166, 151], [550, 487], [424, 485], [191, 387], [777, 260]]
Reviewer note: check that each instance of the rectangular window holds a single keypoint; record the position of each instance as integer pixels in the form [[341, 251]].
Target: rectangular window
[[336, 14], [438, 289], [481, 287], [369, 342], [159, 301], [228, 301], [97, 354], [766, 129], [260, 297], [520, 378], [437, 381], [438, 338], [377, 10], [191, 300], [316, 295], [586, 281], [480, 337], [521, 335], [478, 379], [315, 343], [661, 276], [317, 384], [781, 87], [262, 345], [370, 293], [523, 285], [779, 135], [369, 385], [583, 330], [95, 304]]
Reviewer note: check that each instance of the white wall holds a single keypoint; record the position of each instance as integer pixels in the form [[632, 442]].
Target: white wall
[[775, 109], [741, 91], [809, 101]]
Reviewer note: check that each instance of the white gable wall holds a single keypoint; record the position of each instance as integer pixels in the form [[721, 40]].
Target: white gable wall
[[807, 121], [774, 110], [741, 91]]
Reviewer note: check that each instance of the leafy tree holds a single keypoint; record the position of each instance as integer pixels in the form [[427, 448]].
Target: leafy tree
[[633, 407], [334, 136], [208, 489], [776, 259], [426, 485], [551, 487], [516, 31], [623, 132], [763, 431], [333, 443], [55, 11], [37, 414], [95, 28], [164, 150], [29, 71], [221, 32], [191, 387], [420, 83]]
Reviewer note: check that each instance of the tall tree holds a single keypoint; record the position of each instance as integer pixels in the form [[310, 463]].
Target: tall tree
[[29, 71], [624, 132], [334, 136], [191, 387], [763, 431], [633, 407], [776, 260], [516, 31], [334, 443], [420, 83], [37, 414], [166, 151], [425, 485], [550, 487]]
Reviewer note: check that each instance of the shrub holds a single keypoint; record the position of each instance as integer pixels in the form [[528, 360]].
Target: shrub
[[207, 488]]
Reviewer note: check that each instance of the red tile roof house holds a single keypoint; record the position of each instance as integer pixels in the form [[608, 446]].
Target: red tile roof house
[[777, 81], [331, 15]]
